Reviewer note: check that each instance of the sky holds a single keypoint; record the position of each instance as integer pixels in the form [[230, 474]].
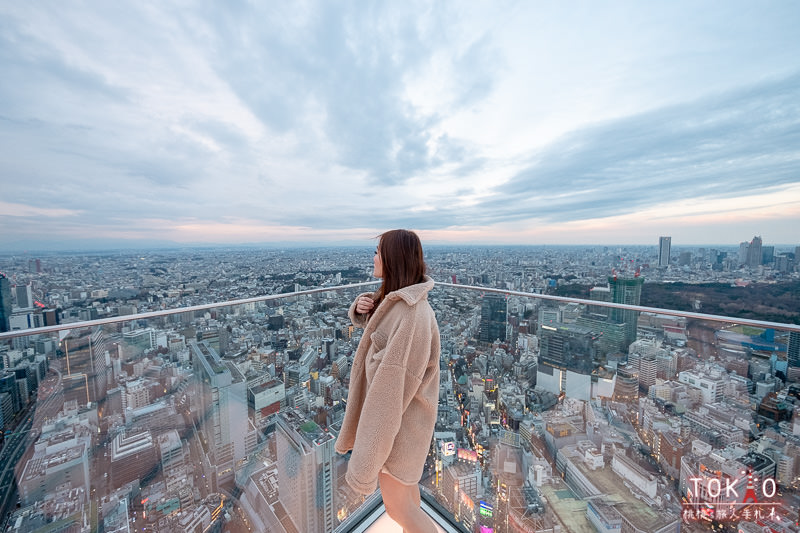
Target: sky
[[157, 123]]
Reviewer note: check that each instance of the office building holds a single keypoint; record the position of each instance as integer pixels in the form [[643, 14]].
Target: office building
[[307, 472], [5, 302], [767, 255], [173, 460], [626, 290], [599, 294], [57, 464], [223, 402], [610, 336], [643, 355], [24, 296], [626, 385], [265, 400], [754, 254], [567, 347], [461, 486], [710, 386], [8, 385], [139, 341], [793, 349], [75, 387], [87, 354], [133, 457], [664, 244], [494, 314]]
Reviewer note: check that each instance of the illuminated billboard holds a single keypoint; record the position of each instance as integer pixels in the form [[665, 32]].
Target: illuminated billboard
[[486, 509], [467, 455], [447, 447]]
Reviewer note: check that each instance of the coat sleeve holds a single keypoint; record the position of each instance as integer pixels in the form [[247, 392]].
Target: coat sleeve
[[359, 320], [392, 389]]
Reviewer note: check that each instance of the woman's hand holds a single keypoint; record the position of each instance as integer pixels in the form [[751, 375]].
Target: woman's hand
[[364, 305]]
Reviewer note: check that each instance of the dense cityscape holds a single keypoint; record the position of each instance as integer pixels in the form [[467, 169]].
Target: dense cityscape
[[554, 415]]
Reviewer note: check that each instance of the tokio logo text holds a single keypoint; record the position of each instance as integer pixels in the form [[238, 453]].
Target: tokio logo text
[[725, 500]]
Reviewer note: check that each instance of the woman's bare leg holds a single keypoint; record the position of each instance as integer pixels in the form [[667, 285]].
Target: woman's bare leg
[[403, 505]]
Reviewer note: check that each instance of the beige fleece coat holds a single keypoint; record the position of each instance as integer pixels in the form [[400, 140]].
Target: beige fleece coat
[[394, 390]]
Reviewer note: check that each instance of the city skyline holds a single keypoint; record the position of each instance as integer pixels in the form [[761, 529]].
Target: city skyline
[[539, 398], [136, 126]]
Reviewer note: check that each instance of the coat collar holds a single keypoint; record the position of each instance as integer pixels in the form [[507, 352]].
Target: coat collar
[[413, 293]]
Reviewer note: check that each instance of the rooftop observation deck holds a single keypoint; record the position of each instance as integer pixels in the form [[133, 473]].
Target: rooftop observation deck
[[557, 420]]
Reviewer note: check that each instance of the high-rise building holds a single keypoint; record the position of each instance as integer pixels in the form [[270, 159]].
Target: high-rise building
[[8, 384], [494, 314], [754, 255], [75, 387], [599, 294], [307, 472], [626, 291], [664, 244], [5, 302], [648, 369], [743, 248], [793, 350], [24, 296], [223, 404], [6, 409], [173, 460], [767, 255], [86, 353], [611, 337], [567, 347], [626, 385]]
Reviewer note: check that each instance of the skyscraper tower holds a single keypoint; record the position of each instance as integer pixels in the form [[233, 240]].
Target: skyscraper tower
[[223, 412], [626, 291], [599, 294], [5, 302], [664, 244], [754, 255], [24, 296], [306, 472], [85, 352], [793, 350], [494, 312]]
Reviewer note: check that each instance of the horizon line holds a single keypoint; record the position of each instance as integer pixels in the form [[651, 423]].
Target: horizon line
[[155, 246]]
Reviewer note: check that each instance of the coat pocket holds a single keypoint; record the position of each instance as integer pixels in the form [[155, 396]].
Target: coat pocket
[[377, 349], [379, 340]]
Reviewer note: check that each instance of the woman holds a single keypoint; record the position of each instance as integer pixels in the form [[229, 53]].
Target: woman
[[394, 382]]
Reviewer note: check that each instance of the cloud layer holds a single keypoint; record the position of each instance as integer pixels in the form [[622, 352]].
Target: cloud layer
[[520, 123]]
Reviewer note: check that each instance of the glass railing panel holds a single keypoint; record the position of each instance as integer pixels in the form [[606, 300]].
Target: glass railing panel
[[580, 416], [218, 418], [552, 414]]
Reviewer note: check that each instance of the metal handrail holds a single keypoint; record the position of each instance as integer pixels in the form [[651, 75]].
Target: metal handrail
[[269, 297], [641, 308], [175, 311]]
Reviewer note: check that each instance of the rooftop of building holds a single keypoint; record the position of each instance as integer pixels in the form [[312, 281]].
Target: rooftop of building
[[126, 445], [266, 386], [570, 510], [639, 513], [51, 458]]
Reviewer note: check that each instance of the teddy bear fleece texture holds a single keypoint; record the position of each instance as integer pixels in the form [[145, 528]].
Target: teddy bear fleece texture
[[394, 390]]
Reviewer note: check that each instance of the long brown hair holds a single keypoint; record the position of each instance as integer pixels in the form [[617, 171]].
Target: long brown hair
[[402, 260]]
